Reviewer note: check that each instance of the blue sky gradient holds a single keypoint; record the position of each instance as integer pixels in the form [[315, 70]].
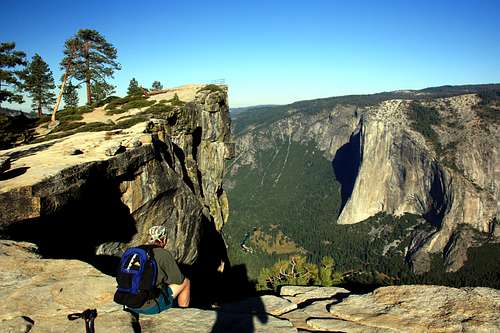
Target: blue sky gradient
[[274, 52]]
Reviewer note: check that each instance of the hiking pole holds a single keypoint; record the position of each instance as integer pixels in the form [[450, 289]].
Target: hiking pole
[[89, 317]]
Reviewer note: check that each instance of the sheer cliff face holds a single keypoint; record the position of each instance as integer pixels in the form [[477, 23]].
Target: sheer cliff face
[[451, 179], [401, 171], [329, 129], [164, 171]]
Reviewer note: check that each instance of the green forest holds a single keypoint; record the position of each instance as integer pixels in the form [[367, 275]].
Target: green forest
[[293, 191]]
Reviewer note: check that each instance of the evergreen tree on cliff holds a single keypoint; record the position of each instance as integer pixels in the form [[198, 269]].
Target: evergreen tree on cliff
[[101, 90], [134, 89], [39, 83], [10, 78], [156, 86], [70, 95], [94, 59]]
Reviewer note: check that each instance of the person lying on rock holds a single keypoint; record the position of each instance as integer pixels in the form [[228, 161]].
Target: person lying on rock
[[151, 295]]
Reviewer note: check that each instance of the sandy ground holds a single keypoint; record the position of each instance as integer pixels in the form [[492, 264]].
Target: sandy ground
[[32, 163], [185, 93]]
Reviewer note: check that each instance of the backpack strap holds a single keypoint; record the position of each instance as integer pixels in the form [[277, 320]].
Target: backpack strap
[[89, 316], [154, 292]]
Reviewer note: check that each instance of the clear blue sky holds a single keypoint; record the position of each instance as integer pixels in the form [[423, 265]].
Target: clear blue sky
[[274, 52]]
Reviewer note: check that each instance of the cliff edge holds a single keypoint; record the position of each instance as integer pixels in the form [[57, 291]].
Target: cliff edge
[[90, 194]]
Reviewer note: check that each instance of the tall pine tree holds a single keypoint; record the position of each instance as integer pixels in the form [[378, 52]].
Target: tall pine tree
[[39, 83], [93, 59], [10, 77], [134, 89], [70, 95]]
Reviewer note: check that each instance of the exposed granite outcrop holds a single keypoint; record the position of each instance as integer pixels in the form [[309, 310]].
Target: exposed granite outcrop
[[167, 170], [329, 129], [402, 172], [37, 295], [40, 293], [419, 308]]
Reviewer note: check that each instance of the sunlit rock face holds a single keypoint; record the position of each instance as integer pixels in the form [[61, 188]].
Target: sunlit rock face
[[163, 171], [38, 294], [400, 171]]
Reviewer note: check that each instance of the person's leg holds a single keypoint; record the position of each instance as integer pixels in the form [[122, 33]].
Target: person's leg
[[182, 292]]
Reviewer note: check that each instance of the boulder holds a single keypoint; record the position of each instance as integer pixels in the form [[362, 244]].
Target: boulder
[[73, 151], [209, 321], [301, 294], [421, 308], [113, 149], [270, 304], [337, 325], [299, 317], [37, 294]]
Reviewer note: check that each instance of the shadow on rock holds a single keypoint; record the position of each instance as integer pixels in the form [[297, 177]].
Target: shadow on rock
[[242, 322], [239, 316], [13, 173], [346, 165], [32, 150], [74, 223]]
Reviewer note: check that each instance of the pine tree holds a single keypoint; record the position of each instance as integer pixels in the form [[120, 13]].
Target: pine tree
[[39, 83], [70, 95], [326, 271], [10, 78], [175, 99], [94, 59], [134, 89], [156, 86], [101, 90]]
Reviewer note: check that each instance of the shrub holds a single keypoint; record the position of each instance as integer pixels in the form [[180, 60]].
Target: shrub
[[64, 127], [72, 111], [422, 118], [13, 129], [158, 109], [136, 104], [295, 271], [95, 127], [69, 117], [212, 88], [130, 122], [43, 120], [105, 101], [175, 101], [489, 114], [120, 101], [489, 107], [85, 109], [130, 102], [115, 111]]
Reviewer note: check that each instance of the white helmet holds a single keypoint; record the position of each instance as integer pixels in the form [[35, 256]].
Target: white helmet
[[157, 232]]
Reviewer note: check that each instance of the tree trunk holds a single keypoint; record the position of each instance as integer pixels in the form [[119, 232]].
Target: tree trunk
[[89, 95], [61, 91], [87, 74], [40, 109]]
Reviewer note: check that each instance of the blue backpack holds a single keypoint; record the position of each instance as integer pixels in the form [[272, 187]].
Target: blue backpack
[[136, 277]]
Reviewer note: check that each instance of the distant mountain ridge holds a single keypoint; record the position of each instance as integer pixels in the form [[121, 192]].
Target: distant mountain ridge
[[236, 111], [262, 114], [15, 113]]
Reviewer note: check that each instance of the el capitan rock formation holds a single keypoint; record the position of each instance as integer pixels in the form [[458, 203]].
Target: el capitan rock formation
[[385, 165]]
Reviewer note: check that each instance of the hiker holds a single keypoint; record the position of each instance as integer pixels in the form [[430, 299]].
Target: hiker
[[171, 284]]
